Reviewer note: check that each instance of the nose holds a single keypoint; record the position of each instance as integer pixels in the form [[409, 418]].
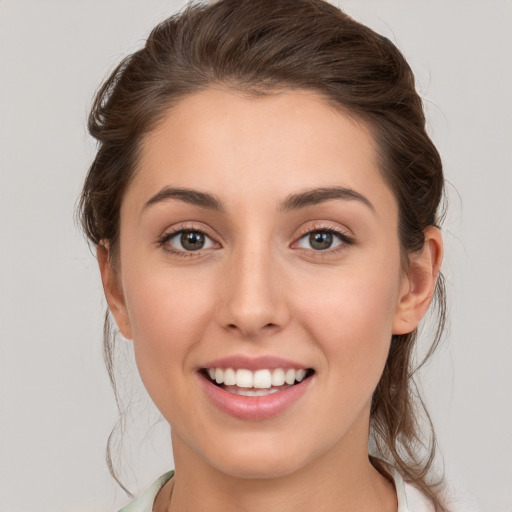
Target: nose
[[252, 301]]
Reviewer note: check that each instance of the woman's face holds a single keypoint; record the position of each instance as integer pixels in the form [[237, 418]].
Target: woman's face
[[258, 234]]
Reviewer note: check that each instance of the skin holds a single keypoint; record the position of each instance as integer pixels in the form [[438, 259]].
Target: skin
[[260, 288]]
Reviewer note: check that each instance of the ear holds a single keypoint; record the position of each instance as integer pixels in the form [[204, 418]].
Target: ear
[[419, 283], [113, 291]]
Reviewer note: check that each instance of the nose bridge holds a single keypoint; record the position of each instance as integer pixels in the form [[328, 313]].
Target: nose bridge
[[251, 301]]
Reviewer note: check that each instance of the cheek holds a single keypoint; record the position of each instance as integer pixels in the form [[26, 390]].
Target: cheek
[[168, 316], [161, 313], [351, 318]]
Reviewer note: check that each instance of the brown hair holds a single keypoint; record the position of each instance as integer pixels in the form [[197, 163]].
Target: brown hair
[[258, 47]]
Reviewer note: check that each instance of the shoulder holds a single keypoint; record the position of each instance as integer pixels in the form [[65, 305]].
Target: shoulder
[[144, 503]]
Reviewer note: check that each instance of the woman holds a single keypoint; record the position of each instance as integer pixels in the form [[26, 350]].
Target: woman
[[264, 203]]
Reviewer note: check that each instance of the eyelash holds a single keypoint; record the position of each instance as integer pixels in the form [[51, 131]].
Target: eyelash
[[163, 241], [344, 238]]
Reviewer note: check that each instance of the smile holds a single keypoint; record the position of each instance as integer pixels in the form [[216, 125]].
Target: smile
[[256, 383], [255, 394]]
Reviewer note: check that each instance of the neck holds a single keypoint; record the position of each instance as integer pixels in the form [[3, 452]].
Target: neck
[[341, 480]]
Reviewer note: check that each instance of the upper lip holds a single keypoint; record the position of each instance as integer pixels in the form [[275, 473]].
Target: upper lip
[[254, 363]]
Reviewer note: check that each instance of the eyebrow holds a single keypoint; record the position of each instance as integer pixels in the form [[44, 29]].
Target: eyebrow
[[201, 199], [293, 202], [320, 195]]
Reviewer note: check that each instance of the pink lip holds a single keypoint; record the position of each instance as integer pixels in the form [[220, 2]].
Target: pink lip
[[253, 363], [254, 407]]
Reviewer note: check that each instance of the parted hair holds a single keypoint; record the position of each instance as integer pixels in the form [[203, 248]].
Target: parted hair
[[258, 47]]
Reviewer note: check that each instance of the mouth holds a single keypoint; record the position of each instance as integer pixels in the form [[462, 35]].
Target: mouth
[[258, 383]]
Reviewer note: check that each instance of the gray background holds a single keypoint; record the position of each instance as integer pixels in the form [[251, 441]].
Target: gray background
[[56, 406]]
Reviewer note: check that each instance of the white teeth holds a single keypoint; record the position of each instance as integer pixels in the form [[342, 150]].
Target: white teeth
[[260, 379], [278, 377], [252, 392], [300, 374], [290, 376], [229, 377], [244, 378], [219, 376]]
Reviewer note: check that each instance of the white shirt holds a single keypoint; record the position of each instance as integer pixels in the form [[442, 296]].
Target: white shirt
[[408, 497]]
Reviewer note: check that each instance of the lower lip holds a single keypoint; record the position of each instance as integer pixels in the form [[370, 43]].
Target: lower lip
[[254, 407]]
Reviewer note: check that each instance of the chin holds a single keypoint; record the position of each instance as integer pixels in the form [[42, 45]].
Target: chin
[[259, 468], [260, 459]]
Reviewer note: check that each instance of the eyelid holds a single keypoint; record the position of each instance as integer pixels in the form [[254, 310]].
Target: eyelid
[[345, 236], [174, 231]]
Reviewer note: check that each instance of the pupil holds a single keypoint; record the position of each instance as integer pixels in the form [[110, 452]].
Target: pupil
[[320, 240], [192, 240]]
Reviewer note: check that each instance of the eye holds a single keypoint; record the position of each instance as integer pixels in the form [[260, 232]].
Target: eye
[[322, 240], [188, 240]]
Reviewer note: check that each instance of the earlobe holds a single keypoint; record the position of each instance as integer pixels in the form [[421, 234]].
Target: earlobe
[[419, 283], [113, 291]]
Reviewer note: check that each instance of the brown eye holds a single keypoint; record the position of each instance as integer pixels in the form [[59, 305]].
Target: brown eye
[[322, 240], [192, 240], [188, 241]]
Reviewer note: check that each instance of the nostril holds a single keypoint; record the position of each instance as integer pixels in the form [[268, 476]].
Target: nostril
[[269, 325]]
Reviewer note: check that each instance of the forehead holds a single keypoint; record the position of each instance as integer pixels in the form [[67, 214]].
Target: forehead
[[241, 147]]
